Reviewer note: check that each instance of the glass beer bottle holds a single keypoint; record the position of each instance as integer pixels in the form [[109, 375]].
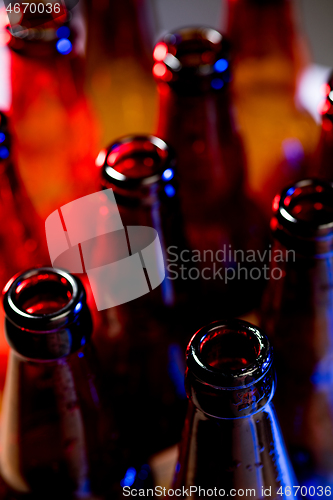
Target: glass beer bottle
[[22, 236], [119, 79], [56, 134], [232, 438], [269, 55], [58, 434], [22, 233], [297, 315], [141, 342], [192, 68]]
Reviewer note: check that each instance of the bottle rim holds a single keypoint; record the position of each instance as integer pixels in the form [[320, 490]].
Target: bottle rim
[[22, 289], [138, 166], [257, 366], [192, 54], [303, 216]]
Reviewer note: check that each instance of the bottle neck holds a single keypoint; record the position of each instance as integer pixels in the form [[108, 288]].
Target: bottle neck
[[265, 40], [202, 131], [127, 36], [43, 426], [297, 309], [165, 217], [244, 451], [260, 28]]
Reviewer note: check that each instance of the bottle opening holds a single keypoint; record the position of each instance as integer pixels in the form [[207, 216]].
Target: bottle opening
[[309, 202], [45, 293], [201, 52], [227, 350], [195, 47], [229, 369], [137, 161], [46, 313]]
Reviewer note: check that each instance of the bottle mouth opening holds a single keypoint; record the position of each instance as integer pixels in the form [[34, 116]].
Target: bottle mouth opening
[[227, 350], [191, 51], [229, 354], [136, 161], [44, 293], [306, 208], [43, 298]]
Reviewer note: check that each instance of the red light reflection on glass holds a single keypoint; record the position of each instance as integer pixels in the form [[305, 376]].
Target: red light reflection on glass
[[160, 51], [324, 107], [161, 71], [111, 158], [274, 223], [325, 89], [276, 202], [327, 125], [99, 162]]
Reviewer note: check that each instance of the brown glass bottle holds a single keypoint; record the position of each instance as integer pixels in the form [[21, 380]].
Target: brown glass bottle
[[232, 441], [141, 342], [119, 62], [55, 130], [22, 235], [58, 433], [322, 164], [297, 315], [192, 68], [269, 54]]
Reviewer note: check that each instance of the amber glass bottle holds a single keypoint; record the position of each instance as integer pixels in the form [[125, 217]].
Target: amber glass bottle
[[22, 235], [119, 63], [58, 433], [141, 342], [269, 54], [55, 131], [297, 315], [232, 441], [192, 68]]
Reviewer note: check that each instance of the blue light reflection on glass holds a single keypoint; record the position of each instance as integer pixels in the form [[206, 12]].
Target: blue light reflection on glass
[[129, 477], [4, 152], [221, 65], [290, 191], [176, 369], [64, 46], [2, 137], [78, 307], [169, 190], [217, 83], [168, 174], [63, 32]]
